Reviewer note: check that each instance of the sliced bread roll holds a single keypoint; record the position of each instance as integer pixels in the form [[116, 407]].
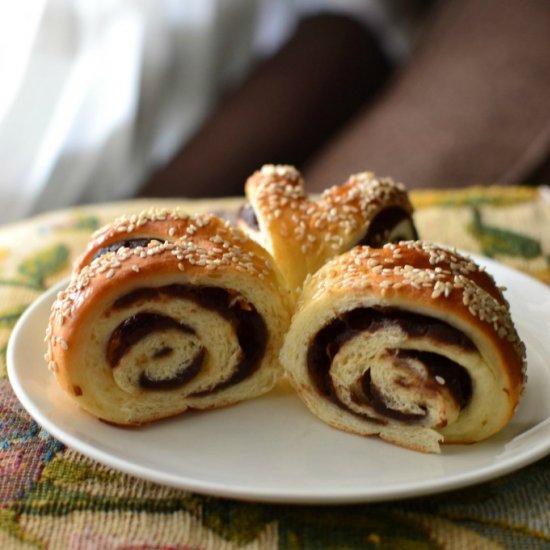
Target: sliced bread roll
[[148, 331], [412, 342]]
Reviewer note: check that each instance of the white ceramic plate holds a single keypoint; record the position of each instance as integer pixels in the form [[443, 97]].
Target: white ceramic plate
[[272, 449]]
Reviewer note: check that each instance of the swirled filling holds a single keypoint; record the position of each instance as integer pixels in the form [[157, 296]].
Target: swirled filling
[[248, 216], [126, 243], [443, 371], [390, 225], [248, 324], [137, 327], [454, 376]]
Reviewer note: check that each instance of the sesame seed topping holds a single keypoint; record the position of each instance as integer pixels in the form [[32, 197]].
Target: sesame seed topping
[[426, 268]]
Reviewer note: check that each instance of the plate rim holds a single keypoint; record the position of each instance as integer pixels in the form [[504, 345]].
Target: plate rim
[[276, 496]]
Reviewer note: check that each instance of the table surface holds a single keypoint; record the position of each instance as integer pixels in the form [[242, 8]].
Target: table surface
[[53, 497]]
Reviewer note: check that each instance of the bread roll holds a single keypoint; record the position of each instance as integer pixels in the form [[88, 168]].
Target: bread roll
[[302, 233], [412, 342], [147, 331]]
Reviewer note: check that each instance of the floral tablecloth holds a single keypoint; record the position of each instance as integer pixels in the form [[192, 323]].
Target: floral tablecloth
[[53, 497]]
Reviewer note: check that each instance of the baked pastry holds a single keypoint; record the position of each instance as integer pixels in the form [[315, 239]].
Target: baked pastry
[[412, 342], [136, 230], [302, 233], [146, 332]]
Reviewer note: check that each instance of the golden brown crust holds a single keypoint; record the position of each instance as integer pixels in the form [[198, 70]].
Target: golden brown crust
[[303, 233], [153, 224]]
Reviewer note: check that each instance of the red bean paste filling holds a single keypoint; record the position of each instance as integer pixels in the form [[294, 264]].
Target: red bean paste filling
[[138, 326], [248, 324], [378, 232], [328, 341], [382, 225], [127, 243], [248, 216]]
